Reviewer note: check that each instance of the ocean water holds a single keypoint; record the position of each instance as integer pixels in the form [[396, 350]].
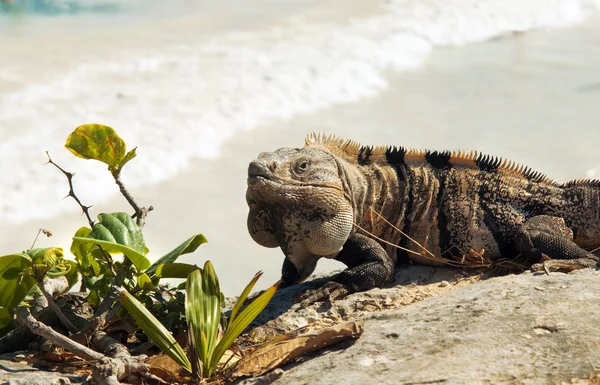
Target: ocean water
[[178, 78]]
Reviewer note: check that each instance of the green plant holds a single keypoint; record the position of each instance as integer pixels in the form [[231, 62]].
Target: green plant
[[203, 304], [132, 277], [19, 273], [93, 247]]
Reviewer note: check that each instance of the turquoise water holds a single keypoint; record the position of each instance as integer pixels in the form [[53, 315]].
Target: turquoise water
[[49, 8]]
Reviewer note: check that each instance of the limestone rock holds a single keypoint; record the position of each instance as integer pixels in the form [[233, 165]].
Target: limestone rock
[[515, 329], [16, 371]]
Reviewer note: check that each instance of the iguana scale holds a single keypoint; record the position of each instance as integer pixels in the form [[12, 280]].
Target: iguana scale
[[375, 207]]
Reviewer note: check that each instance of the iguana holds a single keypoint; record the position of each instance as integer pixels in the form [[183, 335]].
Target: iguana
[[373, 208]]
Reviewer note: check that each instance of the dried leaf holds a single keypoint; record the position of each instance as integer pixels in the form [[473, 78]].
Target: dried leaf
[[276, 353], [165, 368]]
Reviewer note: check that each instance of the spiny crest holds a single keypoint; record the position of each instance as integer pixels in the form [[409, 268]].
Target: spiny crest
[[436, 159], [348, 147], [583, 182]]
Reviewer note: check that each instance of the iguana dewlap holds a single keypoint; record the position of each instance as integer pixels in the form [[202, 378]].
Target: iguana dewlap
[[373, 207]]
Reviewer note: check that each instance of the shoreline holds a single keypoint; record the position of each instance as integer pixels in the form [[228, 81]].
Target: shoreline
[[180, 85], [515, 97]]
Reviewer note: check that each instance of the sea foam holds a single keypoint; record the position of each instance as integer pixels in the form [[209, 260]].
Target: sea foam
[[181, 98]]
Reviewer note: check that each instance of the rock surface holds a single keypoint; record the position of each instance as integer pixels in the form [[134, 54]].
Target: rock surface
[[434, 326], [14, 370], [515, 329]]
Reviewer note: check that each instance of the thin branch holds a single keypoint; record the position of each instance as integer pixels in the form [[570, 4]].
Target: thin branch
[[47, 233], [107, 302], [63, 318], [140, 212], [40, 329], [71, 193]]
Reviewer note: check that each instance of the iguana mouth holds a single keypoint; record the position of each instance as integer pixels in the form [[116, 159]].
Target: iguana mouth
[[258, 172]]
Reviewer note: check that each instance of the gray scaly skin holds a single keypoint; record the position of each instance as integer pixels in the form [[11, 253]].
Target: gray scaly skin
[[337, 199]]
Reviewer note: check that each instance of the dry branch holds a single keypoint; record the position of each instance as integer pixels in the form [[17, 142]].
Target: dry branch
[[71, 193], [25, 318], [48, 294]]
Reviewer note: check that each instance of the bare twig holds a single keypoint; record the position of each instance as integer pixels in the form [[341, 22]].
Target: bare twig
[[119, 363], [63, 318], [47, 233], [71, 193], [140, 212], [107, 302], [38, 328]]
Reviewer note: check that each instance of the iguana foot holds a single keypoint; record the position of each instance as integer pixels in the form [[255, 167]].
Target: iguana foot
[[564, 265], [546, 237], [328, 292]]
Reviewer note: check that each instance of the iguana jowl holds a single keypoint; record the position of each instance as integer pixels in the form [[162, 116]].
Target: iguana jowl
[[337, 199]]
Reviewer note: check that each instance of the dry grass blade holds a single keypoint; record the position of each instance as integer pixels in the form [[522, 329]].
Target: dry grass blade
[[421, 255], [274, 354], [472, 258], [384, 241], [404, 234]]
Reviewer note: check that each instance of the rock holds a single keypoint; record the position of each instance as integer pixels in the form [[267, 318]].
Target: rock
[[516, 329], [15, 370]]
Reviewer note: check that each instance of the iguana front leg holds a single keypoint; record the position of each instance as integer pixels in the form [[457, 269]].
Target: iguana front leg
[[369, 266], [547, 235]]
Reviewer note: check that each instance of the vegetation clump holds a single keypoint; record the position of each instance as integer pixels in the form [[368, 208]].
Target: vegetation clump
[[122, 289]]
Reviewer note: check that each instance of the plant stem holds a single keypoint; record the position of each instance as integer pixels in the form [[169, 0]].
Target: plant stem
[[63, 318], [140, 213], [38, 328], [71, 193]]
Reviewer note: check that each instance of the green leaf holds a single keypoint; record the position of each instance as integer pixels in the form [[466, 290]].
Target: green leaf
[[115, 232], [5, 318], [175, 270], [13, 291], [241, 322], [242, 298], [99, 142], [93, 298], [130, 155], [13, 273], [58, 271], [140, 261], [119, 228], [155, 330], [144, 282], [203, 313], [49, 256], [71, 275], [86, 260], [189, 246]]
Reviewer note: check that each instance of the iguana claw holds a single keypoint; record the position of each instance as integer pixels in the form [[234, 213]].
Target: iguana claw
[[328, 292]]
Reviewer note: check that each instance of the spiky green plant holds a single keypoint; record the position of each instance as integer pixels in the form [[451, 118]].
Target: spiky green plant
[[203, 314]]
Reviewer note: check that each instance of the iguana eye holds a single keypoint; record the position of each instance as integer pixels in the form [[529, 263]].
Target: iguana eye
[[301, 166]]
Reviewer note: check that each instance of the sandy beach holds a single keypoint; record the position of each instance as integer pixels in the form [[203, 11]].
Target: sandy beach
[[531, 97]]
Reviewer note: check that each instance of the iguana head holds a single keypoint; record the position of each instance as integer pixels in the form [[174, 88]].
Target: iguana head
[[298, 202]]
